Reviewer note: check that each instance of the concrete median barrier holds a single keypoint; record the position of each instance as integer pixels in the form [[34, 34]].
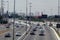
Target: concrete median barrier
[[55, 33], [23, 36]]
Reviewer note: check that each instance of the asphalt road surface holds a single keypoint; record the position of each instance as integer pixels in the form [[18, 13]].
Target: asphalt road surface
[[20, 29], [49, 34]]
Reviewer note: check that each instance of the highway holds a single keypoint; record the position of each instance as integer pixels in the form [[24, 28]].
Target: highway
[[21, 29], [49, 34]]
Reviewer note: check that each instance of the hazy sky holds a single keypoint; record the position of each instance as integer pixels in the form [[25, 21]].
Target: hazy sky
[[37, 6]]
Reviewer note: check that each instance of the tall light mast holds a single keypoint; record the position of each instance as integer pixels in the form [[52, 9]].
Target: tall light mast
[[58, 14], [30, 12], [58, 7], [26, 12], [2, 8], [14, 19], [26, 7]]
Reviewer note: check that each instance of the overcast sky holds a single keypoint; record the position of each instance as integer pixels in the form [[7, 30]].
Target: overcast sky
[[37, 6]]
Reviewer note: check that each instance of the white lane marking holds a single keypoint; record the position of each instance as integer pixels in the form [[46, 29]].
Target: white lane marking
[[26, 35], [55, 33], [21, 36]]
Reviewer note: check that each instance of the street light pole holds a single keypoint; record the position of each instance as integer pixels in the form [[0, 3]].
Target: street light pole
[[8, 6], [7, 9], [30, 13], [14, 19], [58, 14], [51, 13], [58, 7], [26, 12], [58, 11], [26, 7], [2, 9]]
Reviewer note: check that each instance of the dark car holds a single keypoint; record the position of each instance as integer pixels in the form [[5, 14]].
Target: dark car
[[50, 24], [35, 29], [38, 24], [32, 33], [7, 35], [40, 27], [7, 27], [17, 26]]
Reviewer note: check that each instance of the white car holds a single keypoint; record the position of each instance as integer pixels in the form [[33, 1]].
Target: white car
[[7, 35], [18, 34], [41, 32]]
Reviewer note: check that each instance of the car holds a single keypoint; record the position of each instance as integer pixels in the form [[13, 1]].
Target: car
[[17, 26], [40, 27], [18, 34], [7, 27], [8, 35], [38, 24], [32, 33], [41, 32], [50, 24], [34, 29], [25, 22], [29, 23]]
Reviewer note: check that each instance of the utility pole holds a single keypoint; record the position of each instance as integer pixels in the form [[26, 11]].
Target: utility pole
[[58, 29], [58, 12], [30, 12], [26, 12], [2, 8], [8, 5], [7, 9], [14, 19], [38, 17], [51, 14], [26, 7], [58, 7]]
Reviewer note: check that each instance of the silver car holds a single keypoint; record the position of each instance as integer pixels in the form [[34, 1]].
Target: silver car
[[41, 32]]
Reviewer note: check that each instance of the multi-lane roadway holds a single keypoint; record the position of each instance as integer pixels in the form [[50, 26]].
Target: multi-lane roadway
[[49, 34], [21, 28]]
